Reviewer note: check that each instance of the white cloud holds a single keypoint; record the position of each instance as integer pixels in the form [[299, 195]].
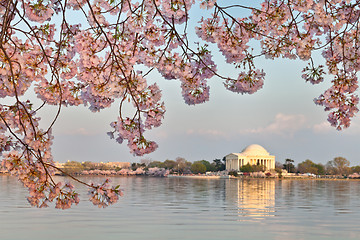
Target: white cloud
[[283, 124], [323, 127], [206, 132]]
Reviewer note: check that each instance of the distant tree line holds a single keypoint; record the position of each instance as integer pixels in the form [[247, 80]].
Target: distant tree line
[[337, 166]]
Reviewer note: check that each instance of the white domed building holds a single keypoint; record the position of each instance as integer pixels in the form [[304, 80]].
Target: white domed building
[[253, 155]]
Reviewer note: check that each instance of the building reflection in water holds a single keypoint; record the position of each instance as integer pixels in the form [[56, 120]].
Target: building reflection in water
[[253, 199]]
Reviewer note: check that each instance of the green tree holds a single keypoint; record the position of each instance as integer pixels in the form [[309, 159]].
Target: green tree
[[156, 164], [278, 167], [355, 169], [321, 168], [246, 168], [183, 166], [289, 166], [338, 166], [330, 169], [198, 167], [208, 165], [308, 166], [252, 168], [258, 168], [135, 166], [170, 164], [218, 165]]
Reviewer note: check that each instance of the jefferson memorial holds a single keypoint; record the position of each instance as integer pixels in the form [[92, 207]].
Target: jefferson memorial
[[254, 155]]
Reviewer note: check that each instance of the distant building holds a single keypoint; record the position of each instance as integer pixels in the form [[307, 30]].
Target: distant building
[[118, 164], [253, 155], [59, 165]]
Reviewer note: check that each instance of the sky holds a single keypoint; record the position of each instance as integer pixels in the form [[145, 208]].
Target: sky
[[281, 117]]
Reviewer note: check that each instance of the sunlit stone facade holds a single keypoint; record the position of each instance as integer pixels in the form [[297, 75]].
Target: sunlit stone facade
[[254, 155]]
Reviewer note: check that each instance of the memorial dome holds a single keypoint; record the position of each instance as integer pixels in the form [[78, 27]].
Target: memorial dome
[[255, 150]]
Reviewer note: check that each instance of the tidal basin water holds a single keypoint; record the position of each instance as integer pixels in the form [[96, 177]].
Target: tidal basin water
[[172, 208]]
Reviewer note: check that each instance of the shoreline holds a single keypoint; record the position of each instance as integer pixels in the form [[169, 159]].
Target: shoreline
[[215, 177], [199, 176]]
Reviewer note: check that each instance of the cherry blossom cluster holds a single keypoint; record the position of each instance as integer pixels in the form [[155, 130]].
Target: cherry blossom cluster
[[42, 189], [293, 29], [102, 195], [341, 97], [158, 172], [123, 172], [248, 82], [313, 74], [97, 64]]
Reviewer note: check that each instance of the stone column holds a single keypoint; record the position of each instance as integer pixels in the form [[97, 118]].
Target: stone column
[[267, 164]]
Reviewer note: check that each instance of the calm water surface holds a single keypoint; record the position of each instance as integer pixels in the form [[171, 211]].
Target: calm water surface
[[170, 208]]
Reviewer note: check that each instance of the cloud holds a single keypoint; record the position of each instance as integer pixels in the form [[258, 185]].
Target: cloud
[[323, 127], [283, 124], [206, 132]]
